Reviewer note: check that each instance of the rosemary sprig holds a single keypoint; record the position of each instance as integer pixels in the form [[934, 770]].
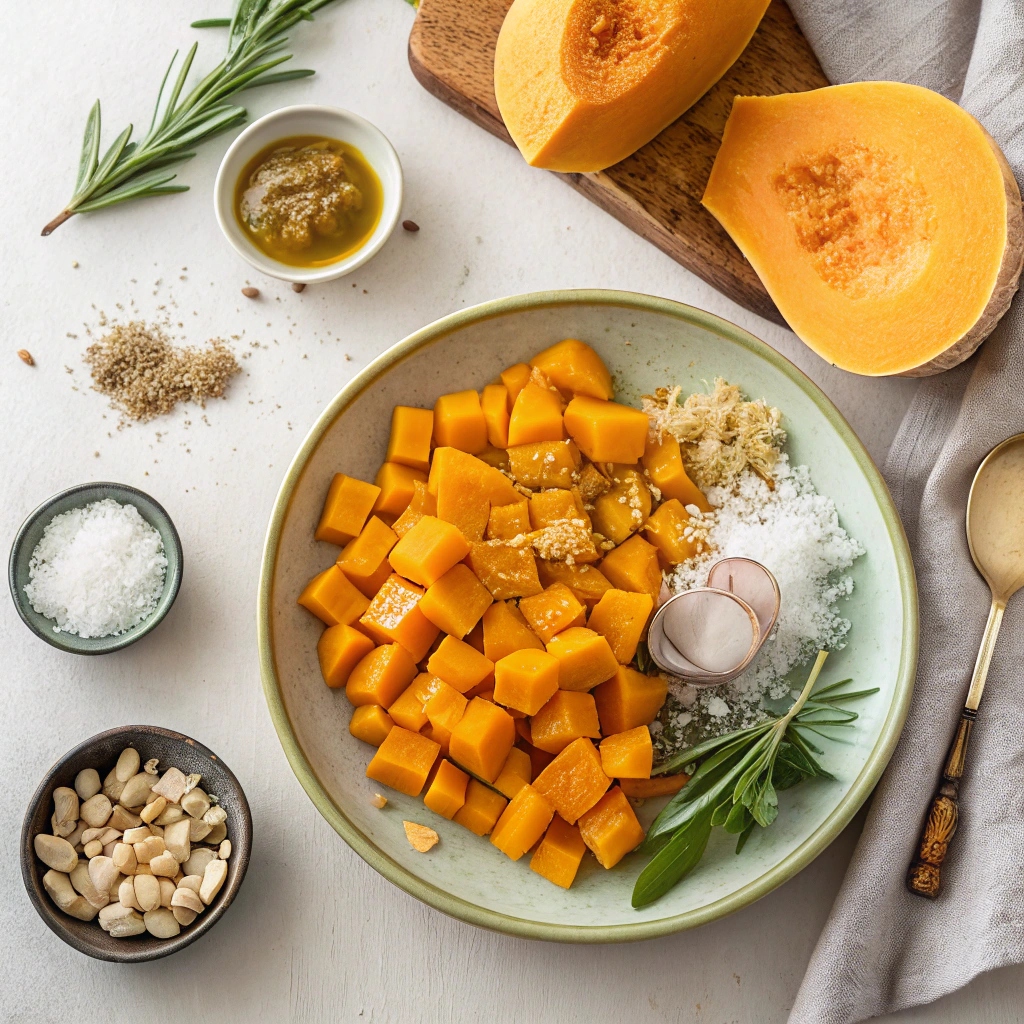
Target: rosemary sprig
[[736, 782], [134, 170]]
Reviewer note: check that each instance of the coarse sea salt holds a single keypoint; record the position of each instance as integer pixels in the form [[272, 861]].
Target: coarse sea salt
[[97, 570]]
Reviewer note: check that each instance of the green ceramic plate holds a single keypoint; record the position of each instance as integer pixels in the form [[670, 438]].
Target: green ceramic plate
[[646, 342]]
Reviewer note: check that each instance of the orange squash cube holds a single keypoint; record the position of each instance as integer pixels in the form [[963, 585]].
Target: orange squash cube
[[459, 664], [403, 760], [494, 403], [552, 610], [506, 522], [560, 852], [333, 599], [587, 582], [525, 680], [585, 658], [397, 485], [629, 754], [459, 422], [624, 508], [663, 461], [364, 559], [506, 631], [606, 431], [446, 707], [370, 723], [409, 708], [394, 616], [441, 736], [544, 463], [567, 716], [610, 828], [349, 502], [411, 431], [574, 780], [522, 823], [506, 571], [575, 368], [634, 566], [428, 551], [339, 649], [423, 503], [456, 601], [515, 773], [666, 530], [405, 522], [556, 506], [660, 785], [515, 378], [621, 617], [536, 416], [482, 808], [381, 676], [628, 700], [447, 792], [482, 739], [466, 488]]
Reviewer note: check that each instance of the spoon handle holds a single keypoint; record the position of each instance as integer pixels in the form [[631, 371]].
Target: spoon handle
[[924, 876]]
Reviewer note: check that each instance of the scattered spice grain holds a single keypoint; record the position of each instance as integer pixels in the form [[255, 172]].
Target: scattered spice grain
[[251, 293], [410, 225], [299, 286], [26, 357]]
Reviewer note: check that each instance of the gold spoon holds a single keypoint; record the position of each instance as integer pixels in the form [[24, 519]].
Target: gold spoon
[[995, 533]]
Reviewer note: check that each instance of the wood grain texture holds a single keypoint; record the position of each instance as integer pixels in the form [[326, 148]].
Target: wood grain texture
[[655, 192]]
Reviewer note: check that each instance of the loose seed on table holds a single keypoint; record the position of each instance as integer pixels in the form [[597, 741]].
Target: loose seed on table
[[87, 783], [55, 852], [410, 225], [251, 293], [298, 286], [26, 357]]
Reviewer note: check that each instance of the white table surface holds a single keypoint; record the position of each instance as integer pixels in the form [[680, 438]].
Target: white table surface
[[315, 934]]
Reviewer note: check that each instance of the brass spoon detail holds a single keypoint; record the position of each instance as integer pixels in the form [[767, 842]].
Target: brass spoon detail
[[995, 534]]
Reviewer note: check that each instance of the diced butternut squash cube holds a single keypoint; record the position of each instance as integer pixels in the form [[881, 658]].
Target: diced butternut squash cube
[[560, 852], [606, 431], [576, 369], [411, 431], [660, 785], [459, 422], [459, 664], [522, 823], [394, 616], [403, 760], [505, 631], [526, 680], [349, 502], [333, 599], [456, 601], [515, 378], [566, 717], [364, 559], [494, 403], [610, 828], [397, 485], [506, 522], [482, 808], [624, 508], [628, 755], [428, 551], [371, 724], [506, 571], [573, 781], [339, 649], [664, 464], [587, 582], [556, 506], [666, 530], [405, 522], [482, 739], [381, 676], [423, 503], [409, 708], [536, 416], [466, 488], [621, 617], [634, 566], [447, 792], [552, 610], [515, 773], [441, 736], [446, 707], [544, 463], [628, 700], [585, 658]]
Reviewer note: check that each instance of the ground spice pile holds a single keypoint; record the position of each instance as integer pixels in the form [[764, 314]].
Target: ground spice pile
[[144, 375]]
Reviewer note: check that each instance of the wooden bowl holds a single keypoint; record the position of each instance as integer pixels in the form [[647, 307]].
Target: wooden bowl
[[100, 752]]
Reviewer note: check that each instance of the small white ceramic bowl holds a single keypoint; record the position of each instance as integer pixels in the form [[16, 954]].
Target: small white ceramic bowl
[[333, 123]]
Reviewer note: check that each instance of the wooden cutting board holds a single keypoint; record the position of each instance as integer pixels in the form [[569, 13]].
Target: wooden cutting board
[[657, 190]]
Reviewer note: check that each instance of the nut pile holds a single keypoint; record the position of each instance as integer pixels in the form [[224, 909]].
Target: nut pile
[[143, 851]]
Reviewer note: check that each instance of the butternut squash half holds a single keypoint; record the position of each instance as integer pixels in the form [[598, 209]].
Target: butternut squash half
[[582, 84], [882, 219]]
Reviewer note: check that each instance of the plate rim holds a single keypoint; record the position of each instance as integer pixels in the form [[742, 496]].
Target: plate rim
[[455, 906]]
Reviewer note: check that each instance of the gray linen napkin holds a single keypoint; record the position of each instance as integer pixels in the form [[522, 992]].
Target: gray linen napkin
[[883, 949]]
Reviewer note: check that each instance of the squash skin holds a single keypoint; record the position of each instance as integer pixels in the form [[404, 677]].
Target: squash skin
[[949, 303], [574, 101]]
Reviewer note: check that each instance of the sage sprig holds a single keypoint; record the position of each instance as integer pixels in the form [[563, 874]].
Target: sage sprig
[[737, 779], [135, 170]]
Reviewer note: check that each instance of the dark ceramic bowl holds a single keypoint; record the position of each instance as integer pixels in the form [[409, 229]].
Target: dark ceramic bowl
[[75, 497], [101, 752]]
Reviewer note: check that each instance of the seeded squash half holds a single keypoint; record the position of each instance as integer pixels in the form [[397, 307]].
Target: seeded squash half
[[882, 219], [582, 84]]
